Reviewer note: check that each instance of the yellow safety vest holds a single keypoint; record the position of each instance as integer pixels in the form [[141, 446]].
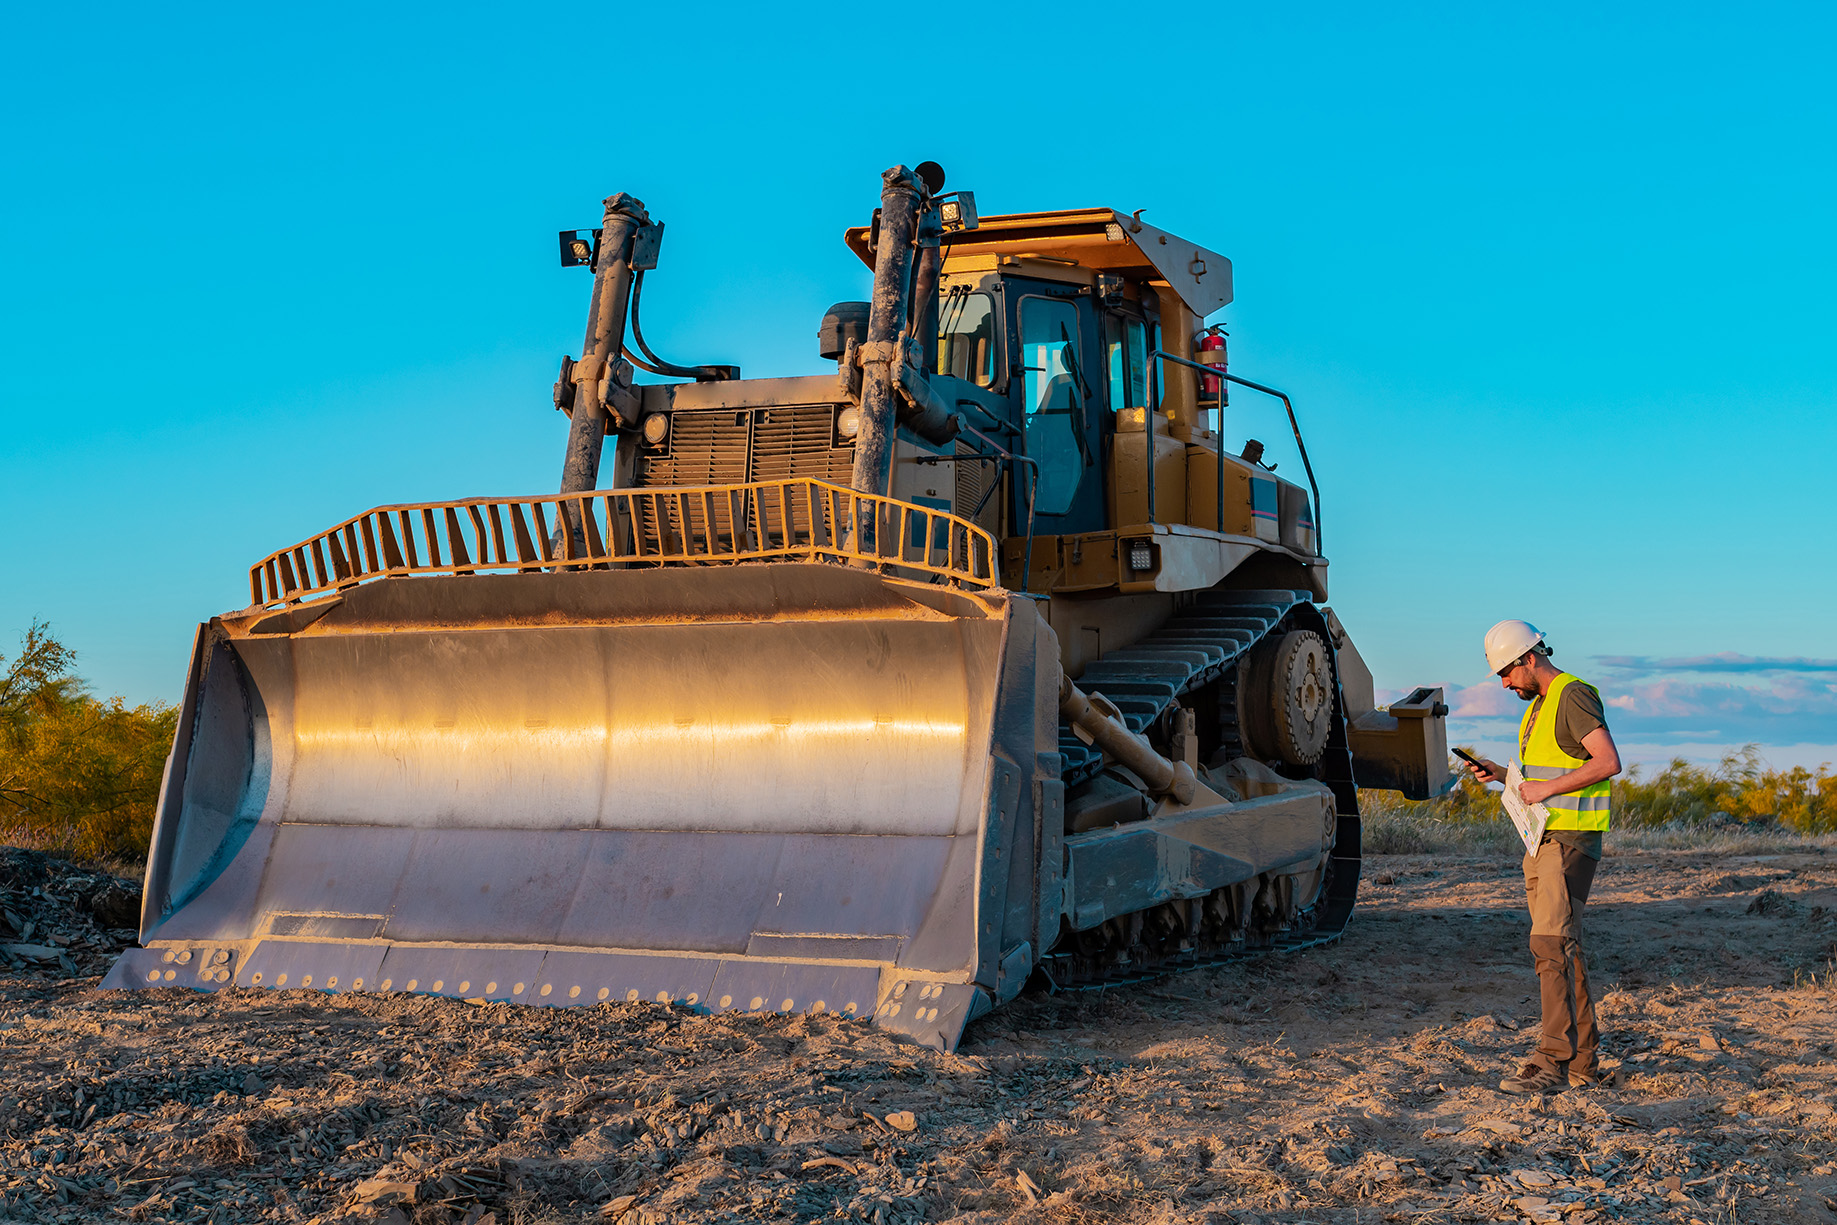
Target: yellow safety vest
[[1543, 759]]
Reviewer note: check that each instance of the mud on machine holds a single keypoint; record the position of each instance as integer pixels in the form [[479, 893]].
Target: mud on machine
[[976, 657]]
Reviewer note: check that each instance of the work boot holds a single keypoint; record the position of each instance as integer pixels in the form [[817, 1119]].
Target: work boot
[[1596, 1077], [1533, 1078]]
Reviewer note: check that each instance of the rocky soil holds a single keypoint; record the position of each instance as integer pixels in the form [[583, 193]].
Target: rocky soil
[[1353, 1083], [62, 920]]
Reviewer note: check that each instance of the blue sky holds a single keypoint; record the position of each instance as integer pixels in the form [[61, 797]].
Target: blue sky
[[1550, 288]]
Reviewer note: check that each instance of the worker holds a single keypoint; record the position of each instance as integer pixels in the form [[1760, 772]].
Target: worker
[[1568, 756]]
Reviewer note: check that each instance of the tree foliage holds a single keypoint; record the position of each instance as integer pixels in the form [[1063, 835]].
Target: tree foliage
[[77, 774], [1741, 789]]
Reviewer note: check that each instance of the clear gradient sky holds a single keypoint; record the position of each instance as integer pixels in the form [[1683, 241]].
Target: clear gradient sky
[[1551, 288]]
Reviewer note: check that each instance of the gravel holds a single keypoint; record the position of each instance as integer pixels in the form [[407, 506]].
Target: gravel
[[1352, 1082]]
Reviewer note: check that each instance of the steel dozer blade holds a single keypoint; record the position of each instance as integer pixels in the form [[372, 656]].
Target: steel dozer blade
[[793, 787]]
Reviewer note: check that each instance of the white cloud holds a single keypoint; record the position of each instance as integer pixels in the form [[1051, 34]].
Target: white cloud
[[1485, 701], [1725, 661]]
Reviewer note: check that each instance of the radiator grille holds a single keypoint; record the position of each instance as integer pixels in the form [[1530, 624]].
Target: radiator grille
[[975, 477], [706, 448], [794, 442], [738, 446]]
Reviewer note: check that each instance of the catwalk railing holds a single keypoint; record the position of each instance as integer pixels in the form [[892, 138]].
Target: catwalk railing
[[787, 519]]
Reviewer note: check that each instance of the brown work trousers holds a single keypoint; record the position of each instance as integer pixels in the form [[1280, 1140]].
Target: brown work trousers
[[1556, 882]]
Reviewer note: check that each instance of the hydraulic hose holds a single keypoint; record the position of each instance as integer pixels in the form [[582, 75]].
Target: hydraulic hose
[[655, 364]]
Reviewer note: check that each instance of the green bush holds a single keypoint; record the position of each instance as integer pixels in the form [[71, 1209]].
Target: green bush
[[1740, 793], [1740, 789], [77, 775]]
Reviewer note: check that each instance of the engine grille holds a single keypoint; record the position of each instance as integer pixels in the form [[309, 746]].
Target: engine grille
[[975, 478], [793, 442], [728, 446], [739, 446]]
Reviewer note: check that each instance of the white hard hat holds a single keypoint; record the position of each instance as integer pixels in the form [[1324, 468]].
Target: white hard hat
[[1508, 641]]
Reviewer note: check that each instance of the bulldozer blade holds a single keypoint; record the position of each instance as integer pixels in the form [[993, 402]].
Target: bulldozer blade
[[792, 787]]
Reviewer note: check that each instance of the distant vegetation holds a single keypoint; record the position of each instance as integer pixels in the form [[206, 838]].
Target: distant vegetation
[[1738, 802], [77, 775], [81, 776]]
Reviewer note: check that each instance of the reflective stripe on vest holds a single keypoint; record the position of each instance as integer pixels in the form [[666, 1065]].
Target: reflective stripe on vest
[[1544, 759]]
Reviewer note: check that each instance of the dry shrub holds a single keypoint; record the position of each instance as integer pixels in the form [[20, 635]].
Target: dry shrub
[[1742, 789], [229, 1144], [145, 1209]]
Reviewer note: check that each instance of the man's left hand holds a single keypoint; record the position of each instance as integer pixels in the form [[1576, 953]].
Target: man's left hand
[[1536, 791]]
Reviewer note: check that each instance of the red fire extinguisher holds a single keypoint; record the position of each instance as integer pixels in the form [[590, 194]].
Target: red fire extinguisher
[[1212, 353]]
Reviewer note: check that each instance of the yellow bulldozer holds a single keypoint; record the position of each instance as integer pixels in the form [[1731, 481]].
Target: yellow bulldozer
[[978, 658]]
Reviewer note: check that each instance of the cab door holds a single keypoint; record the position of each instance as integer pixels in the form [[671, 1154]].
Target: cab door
[[1060, 388]]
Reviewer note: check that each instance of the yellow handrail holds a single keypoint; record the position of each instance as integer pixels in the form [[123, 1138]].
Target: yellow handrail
[[797, 518]]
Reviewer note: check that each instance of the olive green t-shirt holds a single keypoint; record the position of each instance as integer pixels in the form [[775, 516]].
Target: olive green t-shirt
[[1578, 712]]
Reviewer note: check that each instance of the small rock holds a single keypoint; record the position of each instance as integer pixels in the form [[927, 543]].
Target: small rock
[[116, 904], [1772, 902], [252, 1084], [1671, 1182], [383, 1191], [1708, 1042], [1532, 1178], [902, 1120]]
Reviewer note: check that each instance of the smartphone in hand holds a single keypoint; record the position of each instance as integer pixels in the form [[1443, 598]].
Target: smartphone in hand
[[1470, 759]]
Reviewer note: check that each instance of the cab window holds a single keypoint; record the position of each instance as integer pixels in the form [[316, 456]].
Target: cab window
[[966, 336], [1054, 398], [1127, 342]]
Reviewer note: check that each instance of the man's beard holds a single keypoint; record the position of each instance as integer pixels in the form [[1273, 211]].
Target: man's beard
[[1524, 694]]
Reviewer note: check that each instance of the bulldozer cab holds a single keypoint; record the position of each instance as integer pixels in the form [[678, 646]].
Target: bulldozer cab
[[1068, 339]]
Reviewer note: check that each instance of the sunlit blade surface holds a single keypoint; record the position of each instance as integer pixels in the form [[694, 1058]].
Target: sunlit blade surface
[[759, 786]]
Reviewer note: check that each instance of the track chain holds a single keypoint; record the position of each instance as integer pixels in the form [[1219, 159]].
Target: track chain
[[1202, 644]]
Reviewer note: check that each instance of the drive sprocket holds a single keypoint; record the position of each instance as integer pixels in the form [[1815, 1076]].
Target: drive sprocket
[[1285, 699]]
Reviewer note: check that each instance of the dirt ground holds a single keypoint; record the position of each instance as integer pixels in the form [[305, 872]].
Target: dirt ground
[[1352, 1083]]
